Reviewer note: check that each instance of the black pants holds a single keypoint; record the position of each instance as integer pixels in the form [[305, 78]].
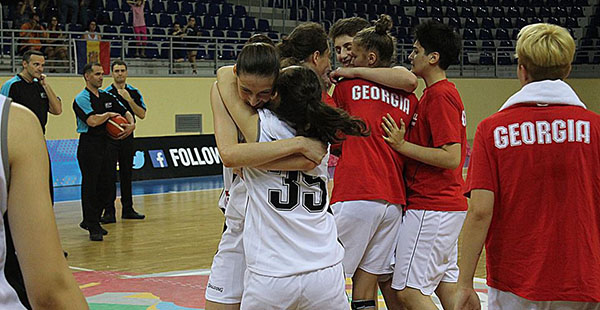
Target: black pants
[[119, 151], [91, 155]]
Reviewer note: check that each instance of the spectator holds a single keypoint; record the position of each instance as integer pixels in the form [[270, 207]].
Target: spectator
[[190, 30], [91, 34], [55, 37], [31, 40], [139, 25], [68, 8], [178, 34], [21, 15], [84, 16]]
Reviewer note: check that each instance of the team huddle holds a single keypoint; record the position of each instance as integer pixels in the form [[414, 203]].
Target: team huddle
[[286, 244], [398, 202]]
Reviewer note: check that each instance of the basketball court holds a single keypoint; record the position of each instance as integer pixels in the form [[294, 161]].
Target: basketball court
[[162, 262]]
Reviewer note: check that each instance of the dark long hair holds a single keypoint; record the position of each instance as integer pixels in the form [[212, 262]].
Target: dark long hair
[[300, 92], [304, 40], [259, 59]]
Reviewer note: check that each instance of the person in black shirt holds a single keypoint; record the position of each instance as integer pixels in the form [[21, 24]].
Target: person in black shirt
[[191, 31], [93, 107], [122, 150], [31, 88]]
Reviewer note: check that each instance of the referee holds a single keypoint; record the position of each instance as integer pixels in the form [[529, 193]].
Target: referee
[[31, 89], [122, 150], [93, 107]]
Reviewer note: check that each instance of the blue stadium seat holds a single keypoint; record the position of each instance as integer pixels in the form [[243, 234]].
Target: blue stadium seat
[[454, 23], [118, 18], [157, 7], [537, 3], [544, 12], [576, 11], [166, 21], [186, 8], [519, 23], [232, 37], [492, 2], [223, 23], [497, 12], [151, 50], [227, 52], [214, 9], [560, 12], [488, 46], [488, 23], [158, 31], [263, 25], [240, 11], [502, 34], [485, 34], [249, 24], [200, 9], [467, 12], [553, 20], [115, 49], [482, 12], [506, 3], [486, 59], [512, 12], [451, 11], [109, 32], [112, 5], [227, 9], [421, 11], [182, 20], [469, 45], [535, 20], [505, 23], [151, 20], [449, 3], [209, 22], [469, 34], [236, 23], [571, 22], [172, 7], [522, 3], [244, 36], [436, 12], [471, 23], [219, 35]]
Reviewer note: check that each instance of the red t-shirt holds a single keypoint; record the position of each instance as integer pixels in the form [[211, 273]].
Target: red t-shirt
[[440, 119], [369, 169], [543, 165], [328, 99]]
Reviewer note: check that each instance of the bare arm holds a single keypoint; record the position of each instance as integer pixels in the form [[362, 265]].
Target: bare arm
[[55, 105], [48, 280], [244, 116], [474, 233], [137, 110], [129, 128], [396, 77], [447, 156], [234, 154]]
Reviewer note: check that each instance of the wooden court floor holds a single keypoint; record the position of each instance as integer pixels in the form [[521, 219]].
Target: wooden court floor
[[181, 232]]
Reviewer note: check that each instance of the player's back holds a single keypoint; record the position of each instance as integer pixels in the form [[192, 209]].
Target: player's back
[[288, 228], [379, 166], [546, 161]]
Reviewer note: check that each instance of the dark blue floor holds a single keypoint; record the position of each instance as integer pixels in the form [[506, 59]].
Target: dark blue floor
[[69, 193]]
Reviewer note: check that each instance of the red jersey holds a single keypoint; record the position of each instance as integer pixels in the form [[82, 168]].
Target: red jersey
[[369, 169], [440, 119], [328, 99], [542, 163]]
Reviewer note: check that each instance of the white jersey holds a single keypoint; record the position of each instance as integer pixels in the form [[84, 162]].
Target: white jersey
[[8, 296], [227, 180], [289, 229]]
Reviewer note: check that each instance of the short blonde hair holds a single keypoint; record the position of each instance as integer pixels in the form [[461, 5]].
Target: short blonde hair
[[546, 51]]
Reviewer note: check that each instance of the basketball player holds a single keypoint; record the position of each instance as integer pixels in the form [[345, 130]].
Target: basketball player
[[426, 253], [290, 241], [533, 181], [376, 200], [251, 81], [49, 283]]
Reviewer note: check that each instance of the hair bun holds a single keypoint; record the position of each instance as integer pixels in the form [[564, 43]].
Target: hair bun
[[383, 24]]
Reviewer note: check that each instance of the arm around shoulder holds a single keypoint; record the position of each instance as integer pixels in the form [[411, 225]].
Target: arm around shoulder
[[48, 280]]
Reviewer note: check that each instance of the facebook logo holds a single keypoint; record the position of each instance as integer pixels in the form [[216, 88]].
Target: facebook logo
[[158, 158]]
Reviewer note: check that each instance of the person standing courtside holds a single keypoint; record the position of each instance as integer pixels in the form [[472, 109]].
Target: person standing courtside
[[31, 89], [93, 107], [533, 182], [122, 150]]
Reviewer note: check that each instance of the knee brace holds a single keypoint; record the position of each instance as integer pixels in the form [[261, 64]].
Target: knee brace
[[363, 304]]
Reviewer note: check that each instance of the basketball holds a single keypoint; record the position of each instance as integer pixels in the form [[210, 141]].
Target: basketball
[[114, 125]]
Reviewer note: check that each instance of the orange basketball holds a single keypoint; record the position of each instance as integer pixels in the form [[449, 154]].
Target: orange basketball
[[114, 125]]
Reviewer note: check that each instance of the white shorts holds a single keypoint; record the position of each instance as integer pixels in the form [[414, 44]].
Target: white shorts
[[427, 250], [368, 230], [501, 300], [320, 289], [226, 281]]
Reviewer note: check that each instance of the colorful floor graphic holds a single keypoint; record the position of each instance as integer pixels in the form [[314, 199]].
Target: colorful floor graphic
[[168, 291]]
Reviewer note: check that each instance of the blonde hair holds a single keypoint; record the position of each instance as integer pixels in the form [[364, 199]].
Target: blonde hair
[[546, 51]]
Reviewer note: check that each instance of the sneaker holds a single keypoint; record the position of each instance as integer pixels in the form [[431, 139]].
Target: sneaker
[[83, 226], [108, 219], [132, 215]]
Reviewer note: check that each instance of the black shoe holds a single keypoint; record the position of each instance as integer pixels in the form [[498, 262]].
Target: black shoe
[[108, 219], [132, 215], [65, 253], [96, 236], [83, 226]]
